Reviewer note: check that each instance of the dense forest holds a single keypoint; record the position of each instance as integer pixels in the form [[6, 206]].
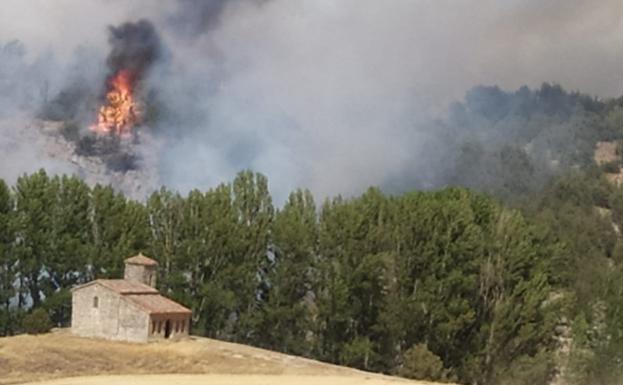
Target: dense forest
[[509, 275]]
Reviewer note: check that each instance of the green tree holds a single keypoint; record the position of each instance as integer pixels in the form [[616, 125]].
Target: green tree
[[8, 260], [70, 246], [35, 199], [118, 229], [37, 322], [165, 219], [254, 212], [420, 363], [206, 251], [284, 318]]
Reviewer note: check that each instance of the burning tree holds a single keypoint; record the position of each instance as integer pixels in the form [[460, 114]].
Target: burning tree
[[134, 48], [121, 111]]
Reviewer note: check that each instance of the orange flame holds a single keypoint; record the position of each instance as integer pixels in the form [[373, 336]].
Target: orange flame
[[120, 112]]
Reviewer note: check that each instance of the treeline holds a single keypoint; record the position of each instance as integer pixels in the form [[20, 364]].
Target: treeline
[[446, 285], [534, 150], [583, 211], [440, 285], [512, 143]]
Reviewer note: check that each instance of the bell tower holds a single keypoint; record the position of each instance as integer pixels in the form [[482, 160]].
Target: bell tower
[[141, 269]]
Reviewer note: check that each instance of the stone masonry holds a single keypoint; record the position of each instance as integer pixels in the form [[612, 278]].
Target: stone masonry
[[128, 309]]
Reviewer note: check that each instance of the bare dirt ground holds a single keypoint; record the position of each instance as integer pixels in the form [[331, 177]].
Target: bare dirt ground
[[605, 152], [58, 358], [222, 379]]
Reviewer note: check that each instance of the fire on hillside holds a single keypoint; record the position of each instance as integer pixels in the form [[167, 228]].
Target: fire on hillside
[[134, 48], [121, 112], [100, 129]]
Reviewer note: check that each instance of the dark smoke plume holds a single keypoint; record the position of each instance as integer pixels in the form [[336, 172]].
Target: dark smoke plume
[[332, 95], [194, 17], [134, 47]]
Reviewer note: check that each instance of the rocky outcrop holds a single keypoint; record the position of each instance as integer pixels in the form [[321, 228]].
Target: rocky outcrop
[[136, 183]]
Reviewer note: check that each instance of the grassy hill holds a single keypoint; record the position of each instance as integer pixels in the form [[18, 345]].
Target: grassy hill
[[54, 357]]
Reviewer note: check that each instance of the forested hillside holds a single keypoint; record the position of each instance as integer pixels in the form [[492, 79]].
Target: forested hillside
[[510, 144], [448, 284]]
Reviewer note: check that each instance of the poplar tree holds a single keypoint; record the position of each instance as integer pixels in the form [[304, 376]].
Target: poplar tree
[[284, 318], [8, 260]]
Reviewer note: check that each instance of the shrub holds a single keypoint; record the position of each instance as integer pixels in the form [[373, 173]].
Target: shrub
[[419, 363], [610, 167], [528, 370], [121, 162], [86, 146], [357, 353], [37, 322], [71, 131]]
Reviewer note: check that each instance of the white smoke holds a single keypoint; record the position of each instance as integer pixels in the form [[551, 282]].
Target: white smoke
[[333, 95]]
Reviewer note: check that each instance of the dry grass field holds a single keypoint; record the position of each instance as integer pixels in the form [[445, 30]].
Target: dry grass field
[[59, 358], [222, 379]]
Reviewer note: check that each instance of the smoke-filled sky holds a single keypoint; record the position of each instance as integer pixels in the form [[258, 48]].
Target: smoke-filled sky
[[331, 95]]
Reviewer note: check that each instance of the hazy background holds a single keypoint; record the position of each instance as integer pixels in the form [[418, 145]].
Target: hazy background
[[332, 95]]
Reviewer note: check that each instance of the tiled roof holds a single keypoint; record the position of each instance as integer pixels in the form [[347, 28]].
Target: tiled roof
[[121, 286], [145, 297], [140, 259], [157, 304]]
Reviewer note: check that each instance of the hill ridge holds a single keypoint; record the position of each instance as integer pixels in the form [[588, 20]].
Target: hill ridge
[[60, 355]]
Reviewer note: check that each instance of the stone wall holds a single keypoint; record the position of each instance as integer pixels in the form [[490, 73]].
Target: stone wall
[[100, 312], [94, 319], [133, 324], [140, 273]]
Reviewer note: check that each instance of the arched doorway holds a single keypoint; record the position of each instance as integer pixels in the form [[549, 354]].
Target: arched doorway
[[167, 329]]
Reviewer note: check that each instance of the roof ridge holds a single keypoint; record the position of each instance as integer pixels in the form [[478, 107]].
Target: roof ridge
[[121, 286], [141, 259]]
